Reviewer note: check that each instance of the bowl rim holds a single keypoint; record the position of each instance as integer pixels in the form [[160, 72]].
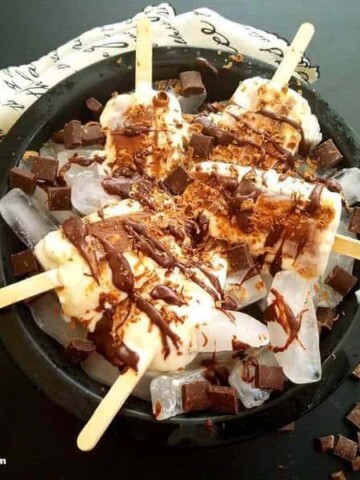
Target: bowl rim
[[181, 430]]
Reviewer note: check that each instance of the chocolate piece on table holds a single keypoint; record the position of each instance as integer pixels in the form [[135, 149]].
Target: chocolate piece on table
[[239, 257], [326, 317], [202, 145], [341, 280], [20, 178], [58, 137], [195, 396], [327, 154], [354, 224], [271, 378], [356, 372], [95, 107], [192, 83], [355, 464], [45, 168], [177, 180], [23, 263], [338, 475], [345, 448], [59, 198], [92, 134], [290, 427], [326, 443], [354, 416], [223, 399], [78, 350], [73, 134]]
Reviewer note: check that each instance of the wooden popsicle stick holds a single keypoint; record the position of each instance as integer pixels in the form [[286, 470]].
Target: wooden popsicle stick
[[29, 287], [294, 53], [143, 69], [347, 246], [112, 402]]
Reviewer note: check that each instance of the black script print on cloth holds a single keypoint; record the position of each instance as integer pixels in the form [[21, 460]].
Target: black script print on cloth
[[217, 37]]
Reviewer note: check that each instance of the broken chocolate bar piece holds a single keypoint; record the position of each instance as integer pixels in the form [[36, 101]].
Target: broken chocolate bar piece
[[58, 137], [338, 475], [178, 180], [326, 317], [195, 396], [78, 350], [23, 263], [326, 443], [327, 154], [92, 134], [345, 448], [341, 280], [271, 378], [95, 107], [354, 224], [45, 168], [239, 257], [354, 416], [192, 83], [73, 134], [20, 178], [59, 198], [202, 145], [356, 372], [355, 464], [290, 427], [223, 399]]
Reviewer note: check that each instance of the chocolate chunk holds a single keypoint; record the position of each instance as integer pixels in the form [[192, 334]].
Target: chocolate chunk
[[326, 317], [22, 179], [356, 372], [73, 134], [223, 399], [118, 186], [95, 107], [271, 378], [239, 257], [59, 198], [203, 62], [45, 168], [345, 448], [355, 464], [195, 396], [341, 280], [354, 416], [217, 375], [290, 427], [192, 83], [338, 475], [327, 154], [202, 145], [243, 218], [58, 137], [354, 224], [326, 443], [92, 134], [178, 180], [23, 263], [78, 350]]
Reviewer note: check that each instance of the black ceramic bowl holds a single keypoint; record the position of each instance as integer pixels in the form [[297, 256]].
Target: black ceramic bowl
[[41, 358]]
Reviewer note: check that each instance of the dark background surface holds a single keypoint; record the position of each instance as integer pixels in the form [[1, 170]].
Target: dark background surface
[[36, 437]]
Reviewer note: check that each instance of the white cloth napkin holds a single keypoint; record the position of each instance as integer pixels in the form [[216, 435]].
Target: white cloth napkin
[[22, 86]]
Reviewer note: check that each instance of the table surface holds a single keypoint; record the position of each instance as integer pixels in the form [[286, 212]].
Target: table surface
[[36, 437]]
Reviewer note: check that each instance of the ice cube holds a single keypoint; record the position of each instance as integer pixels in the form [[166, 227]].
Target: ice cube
[[23, 218], [349, 179], [166, 392], [218, 330], [249, 395], [300, 359], [192, 103], [75, 169], [87, 194], [46, 311], [51, 149]]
